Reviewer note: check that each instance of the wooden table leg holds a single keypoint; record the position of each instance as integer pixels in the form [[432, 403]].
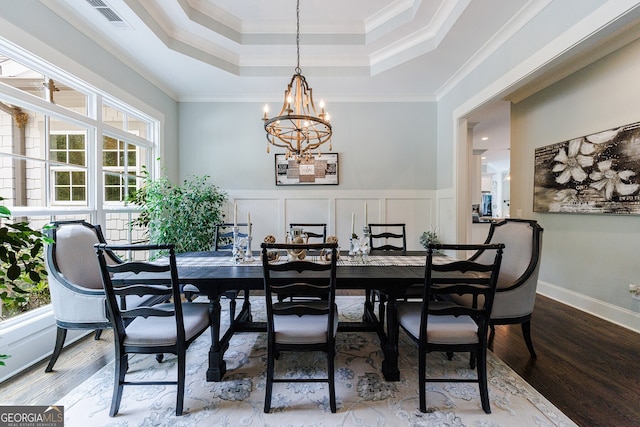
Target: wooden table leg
[[217, 365], [390, 347]]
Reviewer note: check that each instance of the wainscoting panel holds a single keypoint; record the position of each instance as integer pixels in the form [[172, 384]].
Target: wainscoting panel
[[272, 211]]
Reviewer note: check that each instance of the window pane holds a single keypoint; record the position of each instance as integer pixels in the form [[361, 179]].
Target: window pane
[[69, 97], [22, 180], [112, 194], [62, 178], [137, 127], [63, 194], [78, 178], [21, 77], [59, 141], [109, 143], [111, 180], [77, 158], [112, 116], [76, 142], [78, 194], [59, 156], [109, 159]]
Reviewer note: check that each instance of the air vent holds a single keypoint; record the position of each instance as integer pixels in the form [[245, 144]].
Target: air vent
[[107, 12]]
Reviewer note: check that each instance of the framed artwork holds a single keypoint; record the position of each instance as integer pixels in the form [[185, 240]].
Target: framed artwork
[[321, 169], [597, 173]]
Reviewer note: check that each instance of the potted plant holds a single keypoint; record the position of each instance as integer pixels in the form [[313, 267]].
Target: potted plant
[[181, 215], [22, 272], [428, 237]]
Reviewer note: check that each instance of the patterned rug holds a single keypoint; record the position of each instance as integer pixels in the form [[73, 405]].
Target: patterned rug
[[364, 398]]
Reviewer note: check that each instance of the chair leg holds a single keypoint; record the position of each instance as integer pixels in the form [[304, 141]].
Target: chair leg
[[422, 383], [121, 369], [472, 360], [526, 332], [61, 335], [98, 334], [482, 381], [331, 377], [269, 386], [181, 380]]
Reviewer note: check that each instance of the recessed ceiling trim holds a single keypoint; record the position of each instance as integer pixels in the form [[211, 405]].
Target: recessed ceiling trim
[[422, 41]]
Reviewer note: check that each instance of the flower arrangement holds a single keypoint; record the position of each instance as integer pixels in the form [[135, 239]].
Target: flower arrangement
[[428, 237], [634, 290]]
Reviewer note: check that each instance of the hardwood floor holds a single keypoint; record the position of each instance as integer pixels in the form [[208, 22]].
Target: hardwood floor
[[589, 368]]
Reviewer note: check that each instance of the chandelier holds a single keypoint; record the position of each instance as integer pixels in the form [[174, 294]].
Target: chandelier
[[298, 127]]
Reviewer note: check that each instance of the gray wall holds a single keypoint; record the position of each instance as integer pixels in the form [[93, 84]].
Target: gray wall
[[595, 256], [380, 145]]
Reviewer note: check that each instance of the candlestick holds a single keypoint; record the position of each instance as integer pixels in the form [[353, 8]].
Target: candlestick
[[353, 220], [365, 215], [235, 214]]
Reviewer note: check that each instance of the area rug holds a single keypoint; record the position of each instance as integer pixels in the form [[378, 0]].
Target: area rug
[[363, 397]]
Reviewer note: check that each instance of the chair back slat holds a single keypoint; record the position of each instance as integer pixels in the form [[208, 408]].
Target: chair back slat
[[381, 233], [151, 279], [312, 230], [223, 235]]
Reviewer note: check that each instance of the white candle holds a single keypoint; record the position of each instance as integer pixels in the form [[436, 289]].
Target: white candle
[[365, 215], [353, 220], [249, 223], [235, 214]]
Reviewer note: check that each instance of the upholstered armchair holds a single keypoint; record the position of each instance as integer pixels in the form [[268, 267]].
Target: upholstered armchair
[[518, 279], [75, 283]]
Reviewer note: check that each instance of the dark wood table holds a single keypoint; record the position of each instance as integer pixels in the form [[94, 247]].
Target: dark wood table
[[214, 280]]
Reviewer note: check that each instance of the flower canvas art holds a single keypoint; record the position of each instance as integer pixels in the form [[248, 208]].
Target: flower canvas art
[[597, 173]]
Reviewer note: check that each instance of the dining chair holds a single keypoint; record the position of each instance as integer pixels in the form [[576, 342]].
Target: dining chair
[[449, 327], [518, 281], [223, 241], [75, 285], [385, 237], [164, 328], [312, 230], [307, 323], [380, 236]]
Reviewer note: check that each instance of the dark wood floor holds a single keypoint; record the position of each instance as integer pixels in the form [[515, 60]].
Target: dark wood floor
[[587, 367]]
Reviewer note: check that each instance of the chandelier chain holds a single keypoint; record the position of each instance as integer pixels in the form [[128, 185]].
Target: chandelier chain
[[298, 70]]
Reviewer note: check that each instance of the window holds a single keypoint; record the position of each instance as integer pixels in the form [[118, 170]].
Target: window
[[78, 156], [69, 184]]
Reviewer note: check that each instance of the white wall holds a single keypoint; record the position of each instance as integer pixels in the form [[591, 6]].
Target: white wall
[[588, 260]]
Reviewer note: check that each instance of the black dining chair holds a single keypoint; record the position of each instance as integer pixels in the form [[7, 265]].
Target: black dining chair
[[316, 231], [222, 241], [448, 327], [308, 322], [149, 329], [385, 237]]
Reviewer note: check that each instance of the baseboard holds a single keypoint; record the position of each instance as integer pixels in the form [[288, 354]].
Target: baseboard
[[626, 318]]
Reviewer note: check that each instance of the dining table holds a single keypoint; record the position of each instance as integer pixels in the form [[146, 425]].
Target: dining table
[[215, 273]]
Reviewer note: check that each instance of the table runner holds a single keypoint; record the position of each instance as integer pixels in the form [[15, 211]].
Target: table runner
[[375, 260]]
